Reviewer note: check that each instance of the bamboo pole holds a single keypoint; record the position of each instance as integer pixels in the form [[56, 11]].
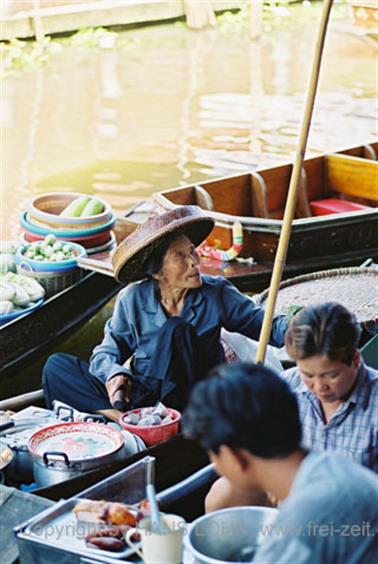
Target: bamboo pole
[[199, 14], [37, 20], [255, 18], [279, 262]]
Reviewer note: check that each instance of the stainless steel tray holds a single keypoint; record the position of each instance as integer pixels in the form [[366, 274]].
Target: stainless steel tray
[[59, 528]]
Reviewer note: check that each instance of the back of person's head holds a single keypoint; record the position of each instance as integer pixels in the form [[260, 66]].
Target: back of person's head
[[327, 329], [244, 406]]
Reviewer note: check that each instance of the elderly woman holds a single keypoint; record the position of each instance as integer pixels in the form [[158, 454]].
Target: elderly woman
[[337, 393], [164, 334]]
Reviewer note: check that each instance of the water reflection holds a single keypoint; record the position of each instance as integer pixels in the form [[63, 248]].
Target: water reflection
[[170, 106]]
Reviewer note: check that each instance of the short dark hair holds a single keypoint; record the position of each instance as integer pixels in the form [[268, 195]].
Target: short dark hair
[[327, 329], [247, 406]]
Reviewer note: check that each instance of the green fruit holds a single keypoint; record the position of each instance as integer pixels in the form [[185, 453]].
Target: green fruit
[[76, 207], [50, 239], [93, 207]]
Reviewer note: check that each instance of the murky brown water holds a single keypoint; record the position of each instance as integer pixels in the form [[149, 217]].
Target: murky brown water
[[168, 106]]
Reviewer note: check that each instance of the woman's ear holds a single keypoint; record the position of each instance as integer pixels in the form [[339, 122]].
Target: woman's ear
[[243, 458], [235, 457]]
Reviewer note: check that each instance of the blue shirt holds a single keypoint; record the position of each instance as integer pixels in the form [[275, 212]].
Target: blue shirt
[[138, 317], [329, 517], [353, 429]]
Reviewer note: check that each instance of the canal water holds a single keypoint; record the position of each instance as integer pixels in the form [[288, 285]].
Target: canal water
[[161, 106]]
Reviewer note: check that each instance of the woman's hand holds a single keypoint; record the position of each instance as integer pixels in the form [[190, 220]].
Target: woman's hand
[[119, 389]]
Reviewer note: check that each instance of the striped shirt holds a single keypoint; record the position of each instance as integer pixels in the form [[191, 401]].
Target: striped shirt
[[353, 429]]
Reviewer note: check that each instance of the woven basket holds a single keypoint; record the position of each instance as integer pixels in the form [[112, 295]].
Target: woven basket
[[355, 288], [53, 282]]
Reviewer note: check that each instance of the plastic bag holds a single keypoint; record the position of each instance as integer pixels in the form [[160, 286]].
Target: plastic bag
[[246, 349]]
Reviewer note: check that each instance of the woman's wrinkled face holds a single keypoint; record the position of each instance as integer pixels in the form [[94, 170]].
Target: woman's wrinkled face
[[180, 267], [329, 380]]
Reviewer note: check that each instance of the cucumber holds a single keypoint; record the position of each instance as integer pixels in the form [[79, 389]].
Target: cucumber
[[76, 207], [93, 207]]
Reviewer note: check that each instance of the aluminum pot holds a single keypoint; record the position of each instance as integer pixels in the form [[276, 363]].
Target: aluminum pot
[[66, 450], [228, 535]]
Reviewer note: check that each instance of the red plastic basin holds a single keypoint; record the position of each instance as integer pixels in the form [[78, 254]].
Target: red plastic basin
[[155, 433]]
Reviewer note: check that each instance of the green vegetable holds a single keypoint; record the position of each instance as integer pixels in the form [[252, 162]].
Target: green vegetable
[[8, 248], [6, 307], [7, 263], [76, 207], [33, 288], [49, 250], [93, 207], [59, 256], [21, 297], [49, 239], [7, 291], [57, 246]]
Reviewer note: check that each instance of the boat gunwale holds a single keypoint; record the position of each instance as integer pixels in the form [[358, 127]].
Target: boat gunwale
[[275, 225]]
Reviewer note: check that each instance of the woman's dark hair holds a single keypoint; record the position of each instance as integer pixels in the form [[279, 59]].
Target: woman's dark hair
[[244, 406], [154, 262], [327, 329]]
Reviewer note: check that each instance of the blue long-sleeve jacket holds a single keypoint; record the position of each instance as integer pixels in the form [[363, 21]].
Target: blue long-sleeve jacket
[[138, 316]]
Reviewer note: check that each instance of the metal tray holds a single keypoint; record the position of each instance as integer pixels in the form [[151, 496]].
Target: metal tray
[[57, 536], [60, 528]]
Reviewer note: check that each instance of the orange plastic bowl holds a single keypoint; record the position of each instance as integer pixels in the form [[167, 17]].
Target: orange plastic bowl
[[154, 433]]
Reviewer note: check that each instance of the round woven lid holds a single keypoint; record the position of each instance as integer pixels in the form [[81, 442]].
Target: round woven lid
[[355, 288], [133, 252]]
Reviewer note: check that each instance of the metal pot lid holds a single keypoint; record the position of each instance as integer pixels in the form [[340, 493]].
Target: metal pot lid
[[79, 441]]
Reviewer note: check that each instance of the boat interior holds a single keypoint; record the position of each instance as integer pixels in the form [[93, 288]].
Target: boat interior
[[335, 183]]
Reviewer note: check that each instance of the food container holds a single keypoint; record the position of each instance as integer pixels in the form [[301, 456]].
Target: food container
[[55, 535], [229, 535], [93, 244], [66, 450], [89, 242], [50, 266], [53, 276], [19, 429], [45, 209], [155, 433], [37, 229]]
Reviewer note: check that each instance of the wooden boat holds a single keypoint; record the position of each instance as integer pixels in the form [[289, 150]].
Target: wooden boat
[[26, 337], [345, 182]]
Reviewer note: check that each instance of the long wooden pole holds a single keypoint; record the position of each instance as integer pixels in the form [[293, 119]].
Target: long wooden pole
[[279, 262], [38, 26]]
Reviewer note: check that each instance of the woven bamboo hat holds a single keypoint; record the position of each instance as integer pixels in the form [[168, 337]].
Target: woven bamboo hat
[[133, 252]]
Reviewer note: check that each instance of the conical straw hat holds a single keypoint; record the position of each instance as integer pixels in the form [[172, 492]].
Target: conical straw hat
[[131, 255]]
